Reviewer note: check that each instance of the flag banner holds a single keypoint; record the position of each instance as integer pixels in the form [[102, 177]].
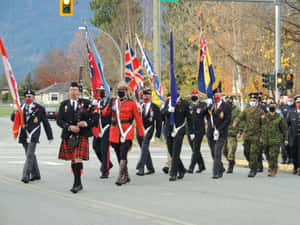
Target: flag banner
[[158, 89], [13, 87], [96, 66], [133, 72], [206, 76], [173, 86]]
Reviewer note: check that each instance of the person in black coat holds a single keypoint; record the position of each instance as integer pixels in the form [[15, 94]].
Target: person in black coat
[[152, 119], [34, 114], [200, 112], [175, 133], [293, 121], [217, 131], [101, 133], [76, 120]]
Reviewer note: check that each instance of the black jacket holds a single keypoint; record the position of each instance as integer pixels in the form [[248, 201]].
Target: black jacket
[[32, 129], [221, 120], [182, 112], [200, 112], [151, 116], [293, 121], [67, 116]]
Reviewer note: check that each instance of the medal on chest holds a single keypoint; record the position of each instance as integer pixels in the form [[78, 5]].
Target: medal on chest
[[222, 115]]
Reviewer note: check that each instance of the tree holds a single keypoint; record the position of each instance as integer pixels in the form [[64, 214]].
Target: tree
[[55, 67]]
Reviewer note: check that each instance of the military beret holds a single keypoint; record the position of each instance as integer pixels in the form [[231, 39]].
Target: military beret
[[100, 88], [253, 95], [76, 84], [29, 92], [195, 92], [297, 99], [147, 92]]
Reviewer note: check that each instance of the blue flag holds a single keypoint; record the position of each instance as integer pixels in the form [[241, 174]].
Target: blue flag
[[173, 86]]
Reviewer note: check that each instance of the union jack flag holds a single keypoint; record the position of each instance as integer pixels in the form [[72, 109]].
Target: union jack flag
[[133, 71], [152, 73]]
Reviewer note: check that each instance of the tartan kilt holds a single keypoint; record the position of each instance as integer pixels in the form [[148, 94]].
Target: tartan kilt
[[68, 152]]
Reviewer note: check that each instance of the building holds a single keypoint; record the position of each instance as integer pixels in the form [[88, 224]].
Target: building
[[53, 94]]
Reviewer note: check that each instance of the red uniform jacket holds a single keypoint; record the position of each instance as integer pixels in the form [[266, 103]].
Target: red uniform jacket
[[128, 110]]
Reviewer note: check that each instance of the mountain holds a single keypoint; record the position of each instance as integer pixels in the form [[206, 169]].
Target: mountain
[[29, 28]]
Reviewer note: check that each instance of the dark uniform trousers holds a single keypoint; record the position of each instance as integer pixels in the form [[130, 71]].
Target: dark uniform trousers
[[102, 150], [296, 152], [145, 154], [196, 155], [174, 148], [216, 153]]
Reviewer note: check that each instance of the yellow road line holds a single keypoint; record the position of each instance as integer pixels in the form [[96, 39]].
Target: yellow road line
[[138, 214], [241, 162]]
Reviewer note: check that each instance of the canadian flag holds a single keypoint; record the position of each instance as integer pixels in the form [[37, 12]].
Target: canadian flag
[[19, 119]]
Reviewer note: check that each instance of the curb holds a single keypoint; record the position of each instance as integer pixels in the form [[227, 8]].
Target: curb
[[282, 167]]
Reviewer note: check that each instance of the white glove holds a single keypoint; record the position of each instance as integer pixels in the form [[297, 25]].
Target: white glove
[[216, 135], [209, 101], [171, 109], [192, 136], [95, 102]]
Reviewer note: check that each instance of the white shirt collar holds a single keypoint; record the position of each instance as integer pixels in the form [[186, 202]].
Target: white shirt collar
[[219, 103]]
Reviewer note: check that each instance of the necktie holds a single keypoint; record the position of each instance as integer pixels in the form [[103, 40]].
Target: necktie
[[73, 106], [27, 112]]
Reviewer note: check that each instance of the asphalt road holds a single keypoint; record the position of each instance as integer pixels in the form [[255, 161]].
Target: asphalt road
[[197, 199]]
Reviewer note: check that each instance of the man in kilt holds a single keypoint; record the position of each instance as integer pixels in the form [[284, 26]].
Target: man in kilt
[[76, 119], [123, 111]]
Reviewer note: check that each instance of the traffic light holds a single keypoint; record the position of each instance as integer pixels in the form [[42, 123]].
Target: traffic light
[[66, 7], [266, 80], [280, 81], [289, 81], [272, 81]]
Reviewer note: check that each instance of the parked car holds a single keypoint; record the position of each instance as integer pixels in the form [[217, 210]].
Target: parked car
[[51, 113]]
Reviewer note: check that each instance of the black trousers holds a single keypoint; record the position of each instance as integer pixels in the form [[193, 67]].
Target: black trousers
[[174, 148], [196, 155], [296, 152], [102, 150], [216, 153], [145, 158], [122, 149]]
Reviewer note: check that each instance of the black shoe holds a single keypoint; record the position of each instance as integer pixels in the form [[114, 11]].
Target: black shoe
[[200, 170], [252, 173], [104, 176], [181, 175], [216, 176], [189, 171], [25, 181], [140, 173], [283, 161], [166, 170], [150, 172], [289, 161], [172, 178], [230, 166], [294, 172], [35, 178], [77, 188]]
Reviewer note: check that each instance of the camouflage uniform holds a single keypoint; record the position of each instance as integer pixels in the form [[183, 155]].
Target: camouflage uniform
[[253, 119], [231, 142], [274, 129]]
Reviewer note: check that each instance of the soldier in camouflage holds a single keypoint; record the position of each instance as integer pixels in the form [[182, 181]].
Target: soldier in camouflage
[[253, 118], [231, 142], [274, 130]]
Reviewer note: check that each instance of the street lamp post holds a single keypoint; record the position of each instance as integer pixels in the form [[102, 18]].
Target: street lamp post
[[116, 45]]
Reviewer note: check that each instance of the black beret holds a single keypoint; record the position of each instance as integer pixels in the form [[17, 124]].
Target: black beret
[[76, 84], [147, 92]]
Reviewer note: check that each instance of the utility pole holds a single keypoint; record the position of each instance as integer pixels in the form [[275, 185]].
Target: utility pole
[[156, 36]]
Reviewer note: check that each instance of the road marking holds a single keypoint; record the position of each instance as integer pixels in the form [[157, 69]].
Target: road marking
[[138, 214]]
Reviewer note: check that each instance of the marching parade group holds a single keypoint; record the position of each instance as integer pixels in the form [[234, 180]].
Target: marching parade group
[[266, 128]]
